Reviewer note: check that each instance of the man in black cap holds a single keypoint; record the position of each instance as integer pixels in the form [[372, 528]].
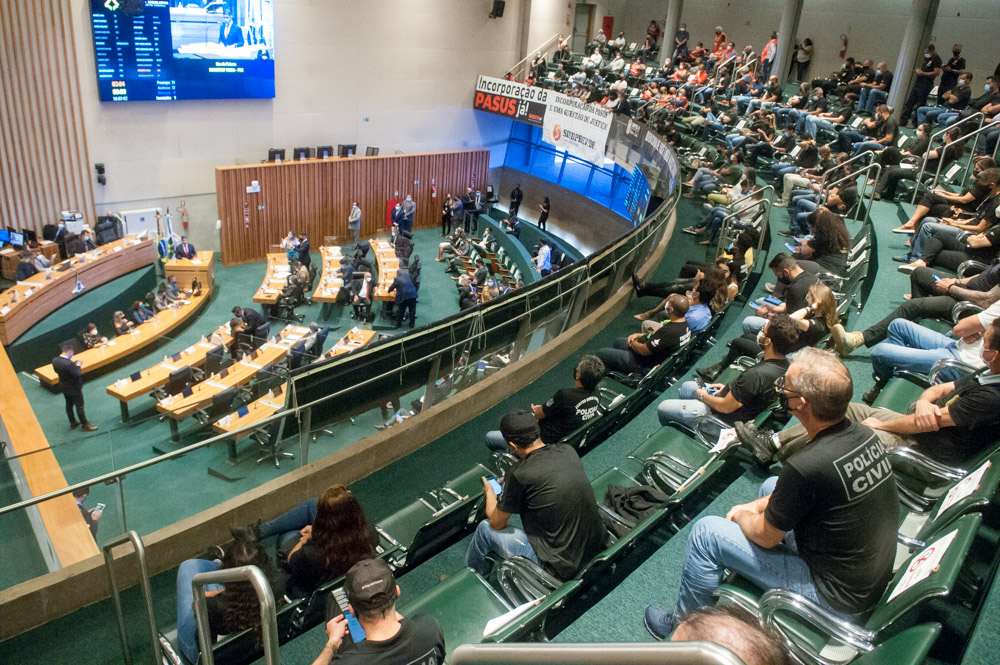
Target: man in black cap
[[389, 637], [549, 489]]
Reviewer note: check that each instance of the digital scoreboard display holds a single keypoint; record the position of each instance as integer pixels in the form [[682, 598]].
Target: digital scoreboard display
[[637, 198], [166, 50]]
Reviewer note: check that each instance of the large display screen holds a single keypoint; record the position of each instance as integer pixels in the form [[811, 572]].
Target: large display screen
[[637, 198], [165, 50]]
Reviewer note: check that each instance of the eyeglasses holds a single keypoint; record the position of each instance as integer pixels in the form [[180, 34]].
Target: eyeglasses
[[779, 386]]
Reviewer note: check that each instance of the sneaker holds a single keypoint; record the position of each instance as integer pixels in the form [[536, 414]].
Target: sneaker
[[636, 283], [758, 441], [781, 204], [87, 427], [769, 287], [690, 230], [908, 268], [845, 342], [901, 259], [870, 396], [904, 229], [785, 234], [251, 532], [659, 622], [709, 373]]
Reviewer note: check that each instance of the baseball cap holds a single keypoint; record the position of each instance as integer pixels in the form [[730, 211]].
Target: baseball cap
[[369, 584], [518, 424]]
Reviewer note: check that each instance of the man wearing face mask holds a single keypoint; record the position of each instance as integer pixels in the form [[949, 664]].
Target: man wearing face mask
[[881, 130], [876, 91], [746, 395], [950, 103], [951, 70], [923, 82], [836, 497], [795, 283], [409, 210], [950, 422]]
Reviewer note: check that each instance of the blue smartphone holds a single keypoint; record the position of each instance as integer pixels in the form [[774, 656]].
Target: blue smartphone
[[791, 248], [357, 632], [495, 484], [936, 278], [755, 305], [711, 391], [772, 300]]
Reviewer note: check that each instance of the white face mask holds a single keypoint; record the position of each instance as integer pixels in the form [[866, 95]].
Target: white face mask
[[760, 338]]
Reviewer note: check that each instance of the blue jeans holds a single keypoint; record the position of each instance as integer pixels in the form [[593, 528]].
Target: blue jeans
[[947, 118], [733, 140], [861, 146], [684, 408], [704, 181], [753, 324], [812, 123], [929, 113], [716, 544], [929, 227], [288, 525], [755, 104], [187, 627], [712, 221], [506, 543], [871, 98], [911, 347], [781, 171], [495, 441]]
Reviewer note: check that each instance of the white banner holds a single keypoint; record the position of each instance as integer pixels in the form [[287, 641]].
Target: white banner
[[579, 128]]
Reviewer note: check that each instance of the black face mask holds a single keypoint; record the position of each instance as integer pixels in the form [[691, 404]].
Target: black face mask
[[956, 53], [783, 402], [784, 279]]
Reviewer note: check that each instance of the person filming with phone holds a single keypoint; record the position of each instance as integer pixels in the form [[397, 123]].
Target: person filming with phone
[[378, 633], [549, 489]]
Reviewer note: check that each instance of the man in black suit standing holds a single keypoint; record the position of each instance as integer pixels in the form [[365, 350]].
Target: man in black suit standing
[[304, 249], [185, 250], [406, 297], [230, 34], [516, 196], [71, 386]]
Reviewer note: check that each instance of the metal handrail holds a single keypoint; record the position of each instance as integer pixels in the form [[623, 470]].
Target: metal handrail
[[930, 146], [864, 154], [718, 67], [268, 609], [765, 203], [625, 653], [940, 165], [531, 53], [147, 593]]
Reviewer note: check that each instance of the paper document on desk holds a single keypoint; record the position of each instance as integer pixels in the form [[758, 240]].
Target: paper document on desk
[[271, 292], [197, 262]]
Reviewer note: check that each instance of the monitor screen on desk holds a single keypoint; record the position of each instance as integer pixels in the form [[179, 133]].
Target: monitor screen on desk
[[165, 50], [4, 235], [347, 150], [324, 151], [16, 239], [276, 155]]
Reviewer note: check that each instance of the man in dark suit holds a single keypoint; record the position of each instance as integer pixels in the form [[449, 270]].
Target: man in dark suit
[[25, 266], [362, 296], [406, 297], [516, 196], [255, 320], [185, 250], [230, 34], [71, 386], [304, 249], [477, 208], [467, 207], [86, 242]]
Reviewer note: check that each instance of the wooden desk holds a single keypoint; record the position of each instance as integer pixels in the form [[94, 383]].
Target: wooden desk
[[330, 282], [354, 339], [202, 268], [25, 304], [125, 390], [179, 407], [388, 265], [267, 405], [63, 536], [9, 257], [141, 336], [274, 281]]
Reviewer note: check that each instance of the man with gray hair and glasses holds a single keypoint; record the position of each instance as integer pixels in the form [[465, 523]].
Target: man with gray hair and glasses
[[824, 528]]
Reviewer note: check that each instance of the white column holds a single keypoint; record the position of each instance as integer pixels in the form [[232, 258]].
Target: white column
[[787, 30], [670, 24], [916, 36]]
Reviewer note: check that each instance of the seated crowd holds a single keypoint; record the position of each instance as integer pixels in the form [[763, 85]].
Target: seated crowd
[[809, 530]]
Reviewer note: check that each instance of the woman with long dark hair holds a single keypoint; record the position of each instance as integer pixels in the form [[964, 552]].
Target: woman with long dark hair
[[319, 539], [231, 608]]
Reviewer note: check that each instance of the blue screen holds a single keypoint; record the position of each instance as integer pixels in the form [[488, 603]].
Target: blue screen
[[638, 196], [166, 50]]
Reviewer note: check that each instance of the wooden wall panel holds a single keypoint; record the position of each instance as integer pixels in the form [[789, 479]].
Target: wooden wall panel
[[44, 166], [316, 195]]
